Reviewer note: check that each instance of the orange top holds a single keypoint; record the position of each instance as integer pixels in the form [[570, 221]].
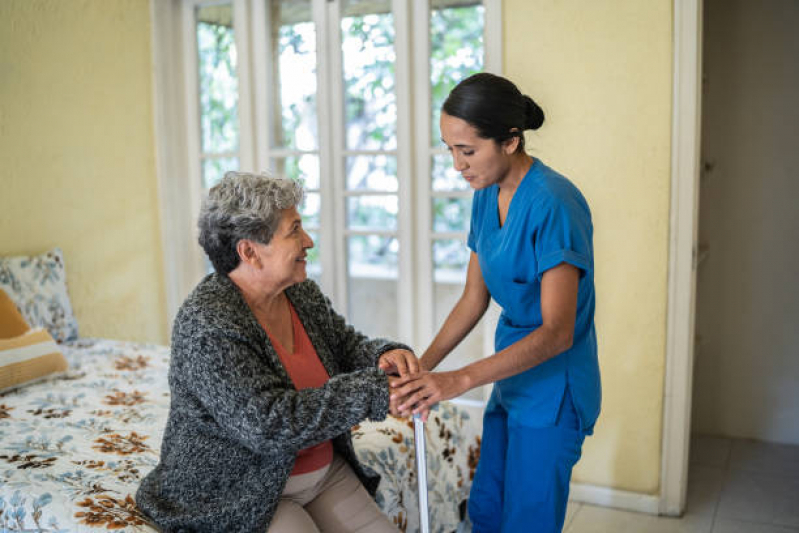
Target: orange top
[[306, 370]]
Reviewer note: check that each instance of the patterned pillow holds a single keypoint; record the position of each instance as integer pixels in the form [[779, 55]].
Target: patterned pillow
[[38, 287]]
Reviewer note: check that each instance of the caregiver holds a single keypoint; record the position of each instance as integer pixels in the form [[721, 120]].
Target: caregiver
[[531, 243]]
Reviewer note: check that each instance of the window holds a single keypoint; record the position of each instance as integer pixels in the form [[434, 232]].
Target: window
[[344, 95]]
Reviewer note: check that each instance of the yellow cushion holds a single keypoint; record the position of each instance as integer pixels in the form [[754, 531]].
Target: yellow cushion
[[11, 322], [29, 357]]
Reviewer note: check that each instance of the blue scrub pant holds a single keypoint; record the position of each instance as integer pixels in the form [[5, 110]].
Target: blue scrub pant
[[522, 479]]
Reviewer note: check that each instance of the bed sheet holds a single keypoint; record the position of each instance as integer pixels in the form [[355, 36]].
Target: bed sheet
[[74, 449]]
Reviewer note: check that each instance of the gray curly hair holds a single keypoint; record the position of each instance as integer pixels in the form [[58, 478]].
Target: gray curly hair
[[243, 206]]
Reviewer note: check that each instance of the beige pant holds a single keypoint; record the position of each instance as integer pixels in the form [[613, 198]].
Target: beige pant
[[329, 500]]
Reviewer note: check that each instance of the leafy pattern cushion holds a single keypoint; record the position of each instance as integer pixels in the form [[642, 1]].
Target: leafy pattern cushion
[[38, 287]]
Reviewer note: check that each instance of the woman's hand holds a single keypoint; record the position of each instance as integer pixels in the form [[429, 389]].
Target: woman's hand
[[416, 394], [393, 405], [399, 363]]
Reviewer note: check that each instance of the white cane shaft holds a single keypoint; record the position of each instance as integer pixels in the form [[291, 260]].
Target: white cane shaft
[[421, 473]]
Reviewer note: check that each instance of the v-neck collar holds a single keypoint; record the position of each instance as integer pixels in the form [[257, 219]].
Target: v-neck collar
[[495, 197], [295, 332]]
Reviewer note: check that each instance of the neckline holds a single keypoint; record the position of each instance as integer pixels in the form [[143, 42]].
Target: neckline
[[295, 334], [495, 197]]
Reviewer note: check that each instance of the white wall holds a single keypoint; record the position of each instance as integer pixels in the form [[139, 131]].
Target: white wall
[[747, 362]]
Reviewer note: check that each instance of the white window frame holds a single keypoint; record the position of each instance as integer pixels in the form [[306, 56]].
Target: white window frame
[[178, 145]]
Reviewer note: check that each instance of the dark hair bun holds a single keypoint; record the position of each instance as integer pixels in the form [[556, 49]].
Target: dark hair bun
[[533, 114]]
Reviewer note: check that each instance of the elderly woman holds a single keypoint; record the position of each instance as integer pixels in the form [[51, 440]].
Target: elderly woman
[[266, 380]]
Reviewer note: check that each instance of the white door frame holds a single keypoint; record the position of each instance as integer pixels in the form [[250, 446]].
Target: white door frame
[[685, 157]]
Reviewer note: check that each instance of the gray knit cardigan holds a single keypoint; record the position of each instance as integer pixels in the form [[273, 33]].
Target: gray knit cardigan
[[236, 422]]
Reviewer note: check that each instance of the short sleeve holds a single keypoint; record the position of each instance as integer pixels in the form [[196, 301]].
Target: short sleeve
[[564, 236]]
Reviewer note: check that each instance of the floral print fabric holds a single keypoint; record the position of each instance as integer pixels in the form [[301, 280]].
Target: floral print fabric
[[38, 287], [73, 450]]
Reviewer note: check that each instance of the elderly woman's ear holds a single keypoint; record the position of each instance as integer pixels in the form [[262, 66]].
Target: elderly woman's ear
[[247, 252]]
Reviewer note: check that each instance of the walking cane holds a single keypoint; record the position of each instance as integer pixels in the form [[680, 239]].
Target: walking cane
[[421, 472]]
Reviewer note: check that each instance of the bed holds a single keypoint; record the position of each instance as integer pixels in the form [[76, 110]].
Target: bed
[[74, 446]]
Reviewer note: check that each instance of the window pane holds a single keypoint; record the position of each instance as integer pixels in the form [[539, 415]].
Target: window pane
[[294, 39], [314, 266], [372, 256], [303, 168], [373, 307], [452, 214], [445, 177], [372, 212], [374, 173], [310, 210], [456, 50], [450, 260], [214, 169], [219, 86], [370, 104], [372, 285]]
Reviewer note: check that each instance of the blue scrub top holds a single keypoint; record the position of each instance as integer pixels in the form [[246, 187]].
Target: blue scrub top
[[548, 223]]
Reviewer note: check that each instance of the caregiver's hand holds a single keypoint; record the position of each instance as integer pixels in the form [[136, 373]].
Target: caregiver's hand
[[398, 362], [416, 394], [393, 404]]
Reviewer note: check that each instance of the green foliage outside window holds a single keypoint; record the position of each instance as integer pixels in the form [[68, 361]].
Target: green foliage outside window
[[370, 112], [218, 88]]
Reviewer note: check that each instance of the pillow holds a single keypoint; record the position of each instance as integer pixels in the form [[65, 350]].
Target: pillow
[[29, 357], [38, 287], [11, 322]]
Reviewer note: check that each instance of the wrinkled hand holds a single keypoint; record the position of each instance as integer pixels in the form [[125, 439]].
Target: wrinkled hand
[[417, 393], [399, 363]]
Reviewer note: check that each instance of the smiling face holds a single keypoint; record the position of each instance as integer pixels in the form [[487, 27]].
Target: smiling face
[[481, 162], [283, 260]]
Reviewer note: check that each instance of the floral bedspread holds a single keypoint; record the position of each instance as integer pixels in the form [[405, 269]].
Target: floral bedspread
[[74, 449]]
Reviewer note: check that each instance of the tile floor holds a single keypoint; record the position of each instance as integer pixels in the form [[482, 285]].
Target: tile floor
[[734, 486]]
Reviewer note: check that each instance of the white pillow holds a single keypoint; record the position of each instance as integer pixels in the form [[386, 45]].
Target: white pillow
[[38, 287]]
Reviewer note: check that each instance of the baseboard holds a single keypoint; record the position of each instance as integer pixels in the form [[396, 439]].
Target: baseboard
[[619, 499], [582, 492]]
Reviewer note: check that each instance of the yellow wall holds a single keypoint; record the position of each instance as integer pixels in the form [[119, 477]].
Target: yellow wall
[[601, 70], [78, 157], [78, 171]]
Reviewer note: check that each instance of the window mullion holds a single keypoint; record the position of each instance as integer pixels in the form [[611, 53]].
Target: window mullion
[[261, 66], [369, 152], [241, 34], [425, 319], [369, 192], [406, 288], [333, 188], [328, 232]]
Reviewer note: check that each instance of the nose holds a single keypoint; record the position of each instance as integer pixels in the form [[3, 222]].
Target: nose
[[458, 162], [307, 241]]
